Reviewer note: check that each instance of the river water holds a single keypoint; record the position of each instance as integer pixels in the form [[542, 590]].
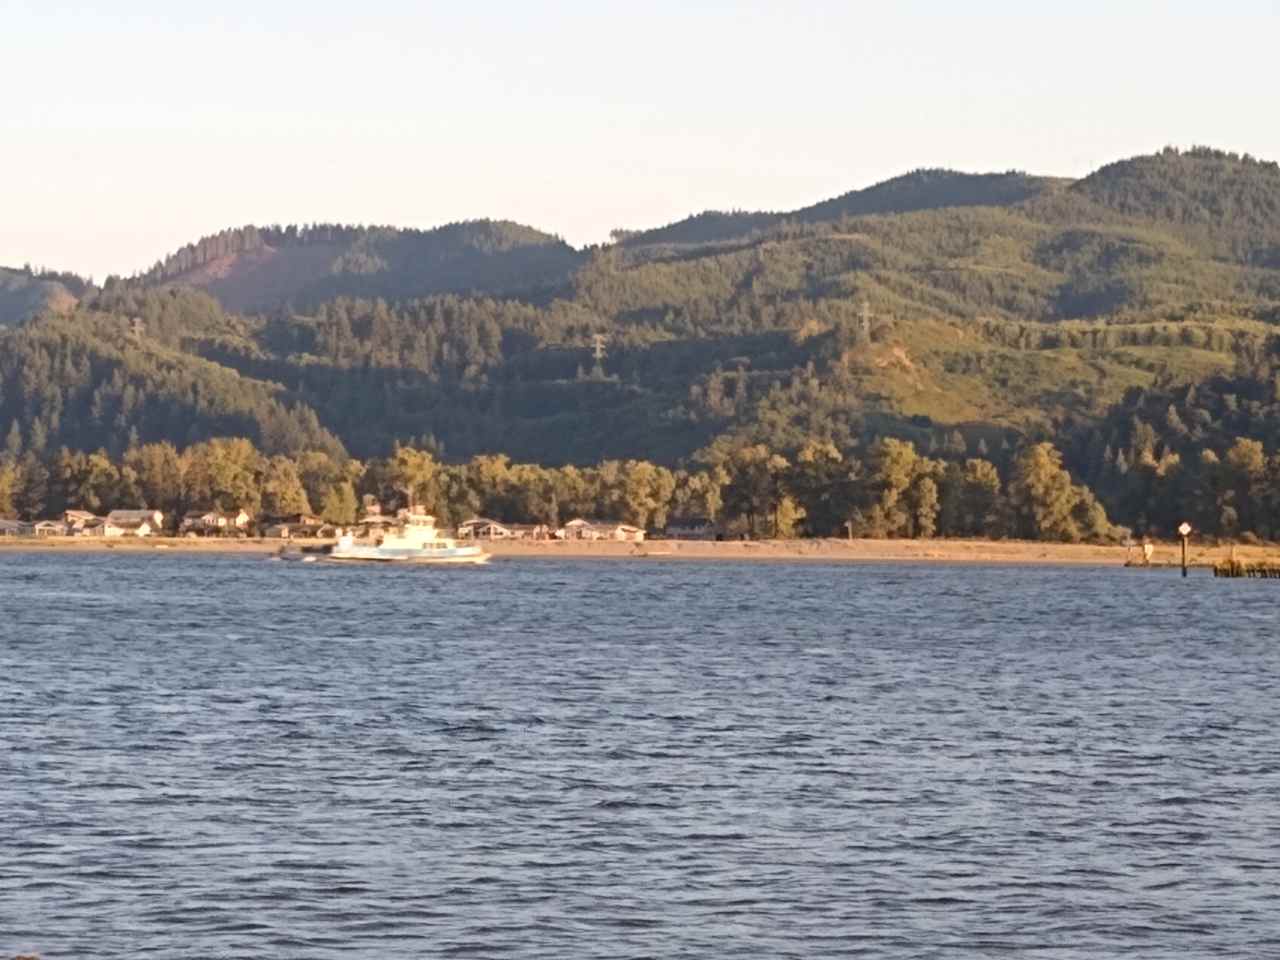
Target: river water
[[229, 757]]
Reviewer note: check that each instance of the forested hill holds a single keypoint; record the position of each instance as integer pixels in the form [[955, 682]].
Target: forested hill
[[26, 292], [918, 190], [254, 269], [1226, 204], [1129, 317]]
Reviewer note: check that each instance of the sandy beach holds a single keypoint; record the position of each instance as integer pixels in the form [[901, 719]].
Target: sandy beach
[[823, 551], [885, 551]]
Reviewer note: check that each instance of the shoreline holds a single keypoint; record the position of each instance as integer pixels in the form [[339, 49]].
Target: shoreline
[[994, 552]]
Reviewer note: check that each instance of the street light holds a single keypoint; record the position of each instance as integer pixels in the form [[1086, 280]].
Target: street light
[[1185, 530]]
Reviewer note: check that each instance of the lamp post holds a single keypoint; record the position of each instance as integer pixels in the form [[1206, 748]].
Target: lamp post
[[1185, 530]]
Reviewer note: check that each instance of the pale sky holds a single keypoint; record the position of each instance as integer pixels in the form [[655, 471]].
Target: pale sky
[[131, 128]]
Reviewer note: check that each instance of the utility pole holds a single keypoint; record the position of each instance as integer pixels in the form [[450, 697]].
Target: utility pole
[[864, 323]]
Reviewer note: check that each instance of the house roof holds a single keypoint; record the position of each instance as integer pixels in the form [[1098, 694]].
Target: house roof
[[599, 525], [132, 516]]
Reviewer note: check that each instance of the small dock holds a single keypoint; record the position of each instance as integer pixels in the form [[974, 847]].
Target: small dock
[[1254, 571]]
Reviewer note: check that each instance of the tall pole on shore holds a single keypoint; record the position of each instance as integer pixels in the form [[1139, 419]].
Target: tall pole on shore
[[1185, 530]]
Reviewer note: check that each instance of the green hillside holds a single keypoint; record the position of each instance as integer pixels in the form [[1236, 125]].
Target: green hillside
[[968, 313]]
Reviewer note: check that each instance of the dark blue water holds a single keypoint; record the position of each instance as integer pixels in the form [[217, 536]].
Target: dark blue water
[[225, 757]]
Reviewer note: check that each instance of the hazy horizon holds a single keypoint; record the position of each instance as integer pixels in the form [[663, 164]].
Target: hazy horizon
[[142, 129]]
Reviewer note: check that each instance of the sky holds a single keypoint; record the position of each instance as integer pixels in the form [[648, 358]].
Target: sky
[[132, 128]]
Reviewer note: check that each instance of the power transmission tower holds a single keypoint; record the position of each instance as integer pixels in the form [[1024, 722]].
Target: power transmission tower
[[598, 351], [864, 323]]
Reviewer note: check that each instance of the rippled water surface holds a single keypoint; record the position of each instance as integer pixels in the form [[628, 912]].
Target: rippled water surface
[[226, 757]]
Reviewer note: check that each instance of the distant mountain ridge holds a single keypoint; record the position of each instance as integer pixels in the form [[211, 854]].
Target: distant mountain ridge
[[1229, 202], [926, 189], [252, 268]]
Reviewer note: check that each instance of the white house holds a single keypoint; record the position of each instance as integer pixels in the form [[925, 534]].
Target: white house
[[213, 521], [481, 528], [580, 529], [239, 520], [154, 519]]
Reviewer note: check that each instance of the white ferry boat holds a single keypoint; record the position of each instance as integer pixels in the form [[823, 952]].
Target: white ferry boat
[[415, 541]]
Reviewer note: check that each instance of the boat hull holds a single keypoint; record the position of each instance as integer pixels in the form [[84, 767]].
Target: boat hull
[[452, 556]]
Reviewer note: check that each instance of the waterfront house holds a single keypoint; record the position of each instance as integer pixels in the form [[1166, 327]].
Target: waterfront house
[[372, 518], [131, 519], [580, 529], [237, 520], [213, 522], [315, 528], [529, 531], [292, 525], [49, 528], [12, 528], [481, 528], [576, 529], [79, 523], [201, 522]]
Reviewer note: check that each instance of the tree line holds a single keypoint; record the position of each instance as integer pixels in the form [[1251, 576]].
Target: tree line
[[745, 491]]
